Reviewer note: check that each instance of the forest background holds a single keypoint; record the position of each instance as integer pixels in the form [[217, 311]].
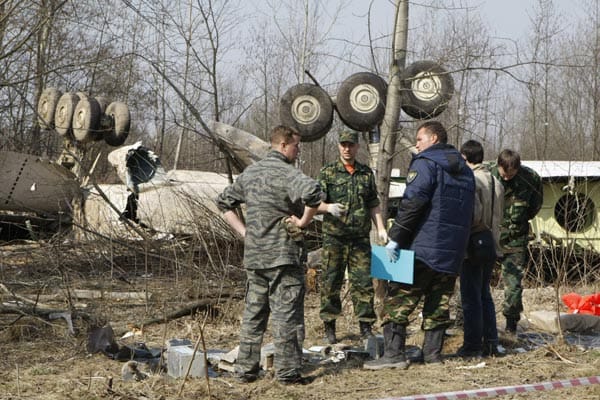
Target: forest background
[[538, 92]]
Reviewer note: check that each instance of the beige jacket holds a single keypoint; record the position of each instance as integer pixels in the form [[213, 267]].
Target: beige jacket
[[488, 212]]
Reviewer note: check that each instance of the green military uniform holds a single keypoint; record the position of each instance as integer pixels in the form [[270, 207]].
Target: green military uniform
[[346, 240], [272, 189], [523, 197], [434, 288]]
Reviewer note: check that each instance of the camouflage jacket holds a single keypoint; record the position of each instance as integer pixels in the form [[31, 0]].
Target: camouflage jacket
[[523, 198], [357, 192], [272, 189]]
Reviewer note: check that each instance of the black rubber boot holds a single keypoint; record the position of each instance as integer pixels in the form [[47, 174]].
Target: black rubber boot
[[432, 345], [365, 330], [511, 325], [394, 340], [330, 332], [468, 352], [490, 349]]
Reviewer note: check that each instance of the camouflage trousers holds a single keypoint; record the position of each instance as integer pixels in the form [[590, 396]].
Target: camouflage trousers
[[279, 291], [402, 299], [338, 254], [512, 276]]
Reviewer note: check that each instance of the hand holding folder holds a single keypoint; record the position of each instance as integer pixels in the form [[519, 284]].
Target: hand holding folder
[[401, 270]]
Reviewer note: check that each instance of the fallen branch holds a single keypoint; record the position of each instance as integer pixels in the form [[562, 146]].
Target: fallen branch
[[34, 303], [557, 354], [27, 307], [45, 313], [100, 294], [206, 304], [189, 309]]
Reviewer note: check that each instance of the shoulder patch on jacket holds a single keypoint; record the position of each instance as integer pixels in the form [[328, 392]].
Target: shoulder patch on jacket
[[411, 176]]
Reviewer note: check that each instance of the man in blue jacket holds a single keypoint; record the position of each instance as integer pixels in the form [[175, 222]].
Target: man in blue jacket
[[433, 220]]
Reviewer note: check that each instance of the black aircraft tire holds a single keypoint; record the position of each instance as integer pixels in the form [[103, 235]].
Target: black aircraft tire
[[426, 89], [360, 101], [308, 109]]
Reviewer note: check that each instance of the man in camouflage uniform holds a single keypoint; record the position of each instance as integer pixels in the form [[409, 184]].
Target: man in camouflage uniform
[[350, 188], [433, 220], [278, 197], [523, 197]]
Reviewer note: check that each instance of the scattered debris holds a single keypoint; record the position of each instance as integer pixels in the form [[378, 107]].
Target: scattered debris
[[133, 331], [131, 371], [102, 340], [227, 361], [179, 355], [548, 321], [589, 304], [66, 316], [476, 366]]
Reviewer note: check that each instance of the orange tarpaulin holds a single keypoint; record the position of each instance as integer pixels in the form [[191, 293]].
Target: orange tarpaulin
[[577, 304]]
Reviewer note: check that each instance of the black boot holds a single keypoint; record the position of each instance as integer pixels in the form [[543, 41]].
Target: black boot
[[468, 352], [432, 345], [394, 340], [365, 330], [490, 349], [511, 325], [330, 332]]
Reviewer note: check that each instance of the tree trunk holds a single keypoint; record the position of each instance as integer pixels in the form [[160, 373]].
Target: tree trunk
[[389, 126], [389, 131]]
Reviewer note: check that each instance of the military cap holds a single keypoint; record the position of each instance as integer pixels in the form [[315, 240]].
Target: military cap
[[349, 136]]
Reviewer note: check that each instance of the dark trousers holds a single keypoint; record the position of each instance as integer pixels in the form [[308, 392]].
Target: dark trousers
[[477, 304]]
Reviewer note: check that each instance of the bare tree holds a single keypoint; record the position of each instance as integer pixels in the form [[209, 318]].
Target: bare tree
[[24, 68], [545, 29], [389, 126], [192, 43], [269, 74]]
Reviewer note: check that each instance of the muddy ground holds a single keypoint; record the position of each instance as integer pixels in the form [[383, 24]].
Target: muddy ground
[[39, 359]]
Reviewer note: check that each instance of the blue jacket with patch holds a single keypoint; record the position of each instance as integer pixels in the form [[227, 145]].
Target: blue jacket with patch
[[434, 216]]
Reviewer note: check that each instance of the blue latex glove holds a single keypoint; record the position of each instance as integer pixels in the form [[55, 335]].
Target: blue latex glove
[[392, 250]]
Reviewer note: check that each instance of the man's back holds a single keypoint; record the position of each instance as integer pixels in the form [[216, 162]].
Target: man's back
[[272, 190], [445, 184], [490, 196]]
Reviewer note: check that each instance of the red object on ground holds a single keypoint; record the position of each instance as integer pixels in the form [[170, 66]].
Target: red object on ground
[[577, 304]]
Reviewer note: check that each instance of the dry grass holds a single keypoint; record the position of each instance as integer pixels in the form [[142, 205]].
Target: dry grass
[[41, 360]]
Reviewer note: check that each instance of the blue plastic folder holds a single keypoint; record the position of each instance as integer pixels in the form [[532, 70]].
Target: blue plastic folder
[[399, 271]]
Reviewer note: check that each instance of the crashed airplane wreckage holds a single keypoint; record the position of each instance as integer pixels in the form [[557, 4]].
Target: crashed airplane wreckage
[[154, 197], [34, 189], [40, 192], [570, 210], [166, 201], [175, 201], [41, 195]]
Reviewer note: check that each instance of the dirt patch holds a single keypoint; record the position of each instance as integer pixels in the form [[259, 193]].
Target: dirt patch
[[39, 359]]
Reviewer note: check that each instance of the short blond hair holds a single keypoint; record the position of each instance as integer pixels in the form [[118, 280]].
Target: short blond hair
[[282, 133]]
